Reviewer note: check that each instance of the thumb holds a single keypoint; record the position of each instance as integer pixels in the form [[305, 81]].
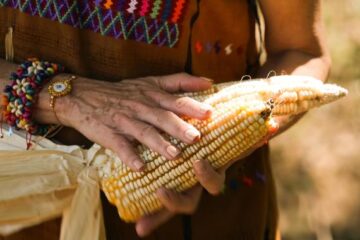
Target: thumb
[[183, 82]]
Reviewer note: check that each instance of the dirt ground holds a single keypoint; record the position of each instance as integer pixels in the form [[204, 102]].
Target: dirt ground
[[317, 162]]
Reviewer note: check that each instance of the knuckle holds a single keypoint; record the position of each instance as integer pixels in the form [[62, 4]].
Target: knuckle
[[183, 74], [166, 115], [118, 101], [182, 102], [171, 205], [153, 79], [146, 131], [119, 118], [119, 145], [158, 81], [137, 107], [128, 159], [205, 173], [116, 142]]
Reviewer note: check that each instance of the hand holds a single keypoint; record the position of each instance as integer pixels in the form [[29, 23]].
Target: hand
[[187, 202], [114, 114]]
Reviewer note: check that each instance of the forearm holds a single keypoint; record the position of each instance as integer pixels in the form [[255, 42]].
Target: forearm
[[294, 62]]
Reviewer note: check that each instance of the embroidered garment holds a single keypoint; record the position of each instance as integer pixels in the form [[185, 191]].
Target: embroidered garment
[[215, 39], [154, 22]]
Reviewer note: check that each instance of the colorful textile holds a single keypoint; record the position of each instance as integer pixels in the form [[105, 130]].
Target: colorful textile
[[109, 60], [150, 21]]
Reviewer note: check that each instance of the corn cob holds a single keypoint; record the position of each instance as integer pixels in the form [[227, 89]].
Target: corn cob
[[242, 117]]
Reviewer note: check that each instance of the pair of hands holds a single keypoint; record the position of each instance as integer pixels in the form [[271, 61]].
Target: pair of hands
[[115, 115]]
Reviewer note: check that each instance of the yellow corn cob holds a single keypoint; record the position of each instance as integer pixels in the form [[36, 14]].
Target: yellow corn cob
[[242, 117]]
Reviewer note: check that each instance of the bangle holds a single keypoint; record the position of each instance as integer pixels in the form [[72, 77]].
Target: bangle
[[21, 95]]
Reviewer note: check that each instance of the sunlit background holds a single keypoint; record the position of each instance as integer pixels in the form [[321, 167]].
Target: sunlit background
[[317, 162]]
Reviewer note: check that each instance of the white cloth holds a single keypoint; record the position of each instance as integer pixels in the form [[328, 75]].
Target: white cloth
[[49, 181]]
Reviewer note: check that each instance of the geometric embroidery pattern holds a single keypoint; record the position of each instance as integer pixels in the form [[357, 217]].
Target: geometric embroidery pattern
[[150, 21]]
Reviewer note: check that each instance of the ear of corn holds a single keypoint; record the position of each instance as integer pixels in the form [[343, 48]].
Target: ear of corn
[[242, 117]]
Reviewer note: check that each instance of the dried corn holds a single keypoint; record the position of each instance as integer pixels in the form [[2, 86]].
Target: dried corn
[[242, 117]]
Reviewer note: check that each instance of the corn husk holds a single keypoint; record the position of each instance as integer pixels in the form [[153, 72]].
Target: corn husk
[[50, 181]]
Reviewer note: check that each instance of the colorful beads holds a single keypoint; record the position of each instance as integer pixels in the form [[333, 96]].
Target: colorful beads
[[217, 47], [247, 181], [21, 94], [260, 176], [246, 178]]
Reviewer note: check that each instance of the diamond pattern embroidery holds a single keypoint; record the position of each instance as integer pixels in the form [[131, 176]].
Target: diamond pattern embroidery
[[153, 22]]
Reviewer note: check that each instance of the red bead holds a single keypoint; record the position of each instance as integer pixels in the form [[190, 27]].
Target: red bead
[[198, 47], [248, 181]]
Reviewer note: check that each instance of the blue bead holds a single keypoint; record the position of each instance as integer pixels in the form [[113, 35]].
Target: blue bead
[[233, 184], [260, 176], [10, 132]]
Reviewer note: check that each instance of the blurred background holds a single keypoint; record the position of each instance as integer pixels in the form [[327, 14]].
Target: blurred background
[[317, 162]]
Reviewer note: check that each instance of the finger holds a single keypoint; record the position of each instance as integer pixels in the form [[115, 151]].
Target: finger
[[108, 138], [180, 202], [172, 124], [147, 135], [183, 82], [149, 223], [210, 179], [127, 154], [165, 120], [182, 105]]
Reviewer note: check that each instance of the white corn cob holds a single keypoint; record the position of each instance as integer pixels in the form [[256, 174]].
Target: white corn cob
[[242, 117]]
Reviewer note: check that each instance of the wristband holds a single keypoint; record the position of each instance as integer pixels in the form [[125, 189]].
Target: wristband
[[21, 95]]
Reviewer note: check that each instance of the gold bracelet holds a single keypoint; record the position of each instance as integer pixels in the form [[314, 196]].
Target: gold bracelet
[[59, 88]]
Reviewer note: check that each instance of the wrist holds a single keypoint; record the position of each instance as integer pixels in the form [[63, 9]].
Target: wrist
[[45, 113]]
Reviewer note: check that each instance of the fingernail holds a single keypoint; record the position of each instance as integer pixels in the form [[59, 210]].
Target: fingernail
[[139, 165], [205, 109], [192, 134], [173, 151], [207, 79]]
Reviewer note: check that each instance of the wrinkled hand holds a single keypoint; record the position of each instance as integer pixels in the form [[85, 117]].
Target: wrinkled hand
[[114, 114], [187, 202]]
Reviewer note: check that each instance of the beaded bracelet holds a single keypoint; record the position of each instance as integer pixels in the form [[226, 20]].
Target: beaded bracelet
[[21, 95]]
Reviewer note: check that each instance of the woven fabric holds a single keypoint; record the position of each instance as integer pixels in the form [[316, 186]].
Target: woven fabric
[[150, 21]]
